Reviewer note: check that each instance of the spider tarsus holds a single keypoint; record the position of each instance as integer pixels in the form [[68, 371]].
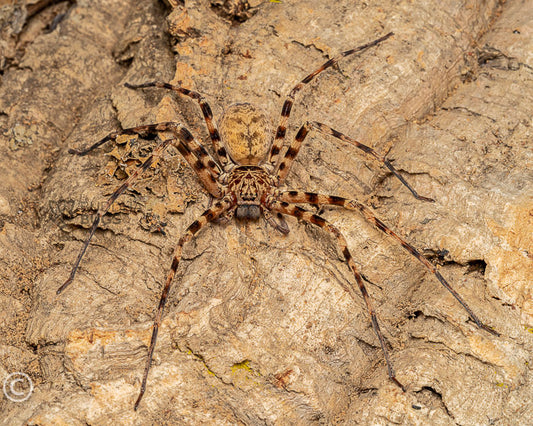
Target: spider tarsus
[[375, 42], [77, 152], [395, 172], [415, 194], [139, 86], [489, 329], [395, 380], [421, 198], [136, 406], [65, 284], [369, 282], [482, 325]]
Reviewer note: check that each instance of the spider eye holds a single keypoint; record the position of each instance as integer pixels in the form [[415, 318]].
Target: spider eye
[[244, 130]]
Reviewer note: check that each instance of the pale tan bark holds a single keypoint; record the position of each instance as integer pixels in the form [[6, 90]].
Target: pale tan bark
[[264, 331]]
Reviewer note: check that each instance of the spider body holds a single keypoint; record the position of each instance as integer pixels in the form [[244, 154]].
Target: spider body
[[246, 175], [244, 134]]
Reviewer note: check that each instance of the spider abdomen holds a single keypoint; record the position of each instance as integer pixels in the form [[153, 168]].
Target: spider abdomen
[[244, 130]]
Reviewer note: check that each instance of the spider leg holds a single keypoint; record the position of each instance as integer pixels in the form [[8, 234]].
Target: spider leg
[[306, 216], [206, 111], [320, 199], [287, 105], [294, 148], [209, 215], [102, 211], [224, 217], [187, 147], [194, 153], [281, 225]]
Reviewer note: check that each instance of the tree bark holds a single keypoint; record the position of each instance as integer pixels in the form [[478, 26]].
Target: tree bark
[[258, 327]]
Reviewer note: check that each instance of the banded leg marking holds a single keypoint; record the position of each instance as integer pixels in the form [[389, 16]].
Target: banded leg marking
[[101, 212], [287, 105], [207, 216], [206, 111], [302, 214], [194, 153], [320, 199], [294, 148]]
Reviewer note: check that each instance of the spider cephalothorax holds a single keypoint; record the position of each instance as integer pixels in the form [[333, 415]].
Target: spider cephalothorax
[[249, 185], [245, 176]]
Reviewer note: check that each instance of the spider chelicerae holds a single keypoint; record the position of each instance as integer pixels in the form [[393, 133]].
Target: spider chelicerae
[[244, 178]]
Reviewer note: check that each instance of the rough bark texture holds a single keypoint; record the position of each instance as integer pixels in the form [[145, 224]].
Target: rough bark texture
[[258, 328]]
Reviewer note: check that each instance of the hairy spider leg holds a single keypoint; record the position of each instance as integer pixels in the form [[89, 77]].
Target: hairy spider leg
[[287, 105], [219, 149], [306, 216], [207, 216], [194, 153], [286, 163], [187, 146], [320, 199], [102, 211]]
